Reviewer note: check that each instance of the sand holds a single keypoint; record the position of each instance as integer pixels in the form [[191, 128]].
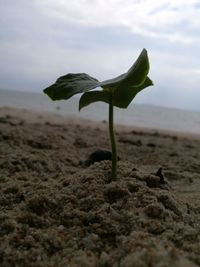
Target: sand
[[56, 211]]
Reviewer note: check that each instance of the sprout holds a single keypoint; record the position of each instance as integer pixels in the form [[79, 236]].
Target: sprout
[[118, 92]]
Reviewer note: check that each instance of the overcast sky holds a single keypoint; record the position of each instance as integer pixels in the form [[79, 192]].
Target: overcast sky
[[41, 40]]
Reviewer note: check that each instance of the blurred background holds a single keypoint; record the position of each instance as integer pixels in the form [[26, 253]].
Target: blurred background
[[41, 40]]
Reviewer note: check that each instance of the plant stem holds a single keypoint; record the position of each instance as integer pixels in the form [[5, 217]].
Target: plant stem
[[112, 139]]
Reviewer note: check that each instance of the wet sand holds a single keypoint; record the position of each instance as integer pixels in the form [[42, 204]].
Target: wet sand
[[56, 211]]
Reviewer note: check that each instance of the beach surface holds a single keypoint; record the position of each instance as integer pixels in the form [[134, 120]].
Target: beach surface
[[60, 208]]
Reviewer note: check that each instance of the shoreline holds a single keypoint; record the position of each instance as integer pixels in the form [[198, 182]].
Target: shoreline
[[34, 116], [139, 115]]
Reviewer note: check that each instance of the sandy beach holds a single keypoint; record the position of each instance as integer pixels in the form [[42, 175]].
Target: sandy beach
[[56, 210]]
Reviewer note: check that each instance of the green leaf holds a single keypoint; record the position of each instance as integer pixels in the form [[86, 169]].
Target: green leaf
[[135, 76], [122, 98], [71, 84], [123, 88], [93, 96], [126, 86]]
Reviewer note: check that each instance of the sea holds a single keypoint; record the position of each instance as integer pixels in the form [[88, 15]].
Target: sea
[[138, 115]]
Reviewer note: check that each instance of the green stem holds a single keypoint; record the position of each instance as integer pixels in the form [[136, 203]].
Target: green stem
[[112, 139]]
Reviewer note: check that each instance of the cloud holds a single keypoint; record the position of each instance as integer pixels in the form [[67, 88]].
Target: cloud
[[151, 18], [41, 40]]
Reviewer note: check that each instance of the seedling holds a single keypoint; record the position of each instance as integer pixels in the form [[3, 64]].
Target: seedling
[[118, 92]]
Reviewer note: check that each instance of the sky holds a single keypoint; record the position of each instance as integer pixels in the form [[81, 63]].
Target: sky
[[41, 40]]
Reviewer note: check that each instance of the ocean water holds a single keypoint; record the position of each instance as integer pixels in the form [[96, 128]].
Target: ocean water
[[139, 115]]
